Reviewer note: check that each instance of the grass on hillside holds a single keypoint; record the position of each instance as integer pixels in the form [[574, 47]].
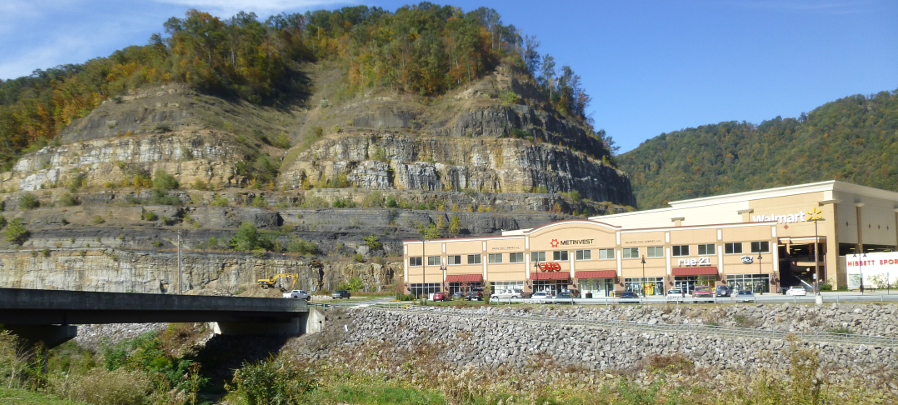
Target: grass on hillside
[[9, 396]]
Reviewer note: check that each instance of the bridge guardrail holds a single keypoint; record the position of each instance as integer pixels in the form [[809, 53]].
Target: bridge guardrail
[[724, 331]]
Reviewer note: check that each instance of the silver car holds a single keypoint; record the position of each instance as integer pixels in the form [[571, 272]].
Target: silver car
[[541, 297]]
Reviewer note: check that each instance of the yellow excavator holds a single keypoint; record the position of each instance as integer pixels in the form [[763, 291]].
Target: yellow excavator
[[270, 282]]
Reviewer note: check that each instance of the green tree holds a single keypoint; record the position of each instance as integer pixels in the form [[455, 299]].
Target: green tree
[[454, 225], [28, 202], [431, 232], [16, 232], [163, 181], [373, 242], [246, 239]]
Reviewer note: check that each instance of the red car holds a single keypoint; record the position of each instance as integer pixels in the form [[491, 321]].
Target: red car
[[441, 296], [702, 291]]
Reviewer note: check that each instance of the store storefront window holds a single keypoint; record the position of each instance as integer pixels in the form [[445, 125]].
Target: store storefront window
[[550, 286], [754, 282], [505, 285], [598, 287], [688, 283], [464, 287], [418, 289], [645, 286]]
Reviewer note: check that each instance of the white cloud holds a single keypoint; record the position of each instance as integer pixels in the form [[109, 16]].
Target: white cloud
[[263, 8], [65, 45]]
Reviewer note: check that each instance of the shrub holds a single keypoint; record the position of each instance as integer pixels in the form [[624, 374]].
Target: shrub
[[374, 200], [2, 221], [358, 257], [149, 216], [200, 184], [68, 200], [16, 232], [260, 202], [76, 182], [98, 220], [99, 386], [373, 242], [220, 201], [841, 330], [165, 182], [28, 202], [297, 245], [270, 382], [391, 202], [160, 197]]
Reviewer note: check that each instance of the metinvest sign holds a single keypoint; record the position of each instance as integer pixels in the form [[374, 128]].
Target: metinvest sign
[[877, 269]]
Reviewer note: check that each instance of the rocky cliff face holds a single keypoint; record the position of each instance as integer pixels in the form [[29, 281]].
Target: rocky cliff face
[[395, 164], [113, 270], [456, 164]]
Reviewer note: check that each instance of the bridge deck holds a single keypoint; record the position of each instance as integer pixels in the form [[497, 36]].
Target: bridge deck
[[49, 307]]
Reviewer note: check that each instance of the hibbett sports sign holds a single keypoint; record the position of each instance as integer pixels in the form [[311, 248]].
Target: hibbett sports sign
[[873, 266]]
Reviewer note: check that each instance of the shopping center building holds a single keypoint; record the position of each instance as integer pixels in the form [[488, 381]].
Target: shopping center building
[[760, 240]]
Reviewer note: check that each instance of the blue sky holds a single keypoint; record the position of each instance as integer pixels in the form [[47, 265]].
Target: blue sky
[[650, 66]]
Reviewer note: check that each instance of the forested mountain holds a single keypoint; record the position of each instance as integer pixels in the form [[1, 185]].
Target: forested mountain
[[423, 49], [854, 139]]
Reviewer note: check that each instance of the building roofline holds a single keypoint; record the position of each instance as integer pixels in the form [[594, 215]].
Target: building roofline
[[829, 185], [591, 222], [675, 228]]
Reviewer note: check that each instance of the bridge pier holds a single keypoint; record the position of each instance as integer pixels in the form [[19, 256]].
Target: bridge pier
[[50, 335], [307, 322]]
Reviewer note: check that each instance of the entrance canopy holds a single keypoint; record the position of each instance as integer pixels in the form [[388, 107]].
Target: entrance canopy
[[559, 275], [694, 271], [464, 278], [596, 274]]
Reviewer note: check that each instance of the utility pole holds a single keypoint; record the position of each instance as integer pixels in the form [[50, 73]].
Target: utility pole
[[179, 262]]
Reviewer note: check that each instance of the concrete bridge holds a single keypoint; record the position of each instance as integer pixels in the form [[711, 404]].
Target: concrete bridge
[[50, 315]]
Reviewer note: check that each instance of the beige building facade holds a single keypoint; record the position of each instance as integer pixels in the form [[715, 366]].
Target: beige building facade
[[760, 240]]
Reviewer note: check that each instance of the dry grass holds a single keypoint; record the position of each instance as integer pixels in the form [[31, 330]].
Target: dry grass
[[98, 386]]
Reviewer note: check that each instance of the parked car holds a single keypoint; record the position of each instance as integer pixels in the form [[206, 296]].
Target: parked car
[[564, 298], [541, 297], [745, 296], [441, 296], [794, 291], [475, 294], [340, 294], [458, 295], [299, 294], [702, 291], [675, 292], [628, 296], [724, 291], [506, 294]]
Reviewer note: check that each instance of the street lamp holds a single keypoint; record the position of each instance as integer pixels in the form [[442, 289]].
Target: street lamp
[[643, 275], [760, 287]]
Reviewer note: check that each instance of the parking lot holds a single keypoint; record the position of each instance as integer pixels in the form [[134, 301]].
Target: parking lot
[[828, 297]]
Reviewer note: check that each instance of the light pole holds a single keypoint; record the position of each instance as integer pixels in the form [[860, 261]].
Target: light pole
[[761, 286], [423, 269], [860, 268], [815, 216], [643, 275]]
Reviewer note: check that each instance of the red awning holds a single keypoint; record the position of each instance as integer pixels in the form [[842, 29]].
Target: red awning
[[596, 274], [464, 278], [552, 275], [695, 271]]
